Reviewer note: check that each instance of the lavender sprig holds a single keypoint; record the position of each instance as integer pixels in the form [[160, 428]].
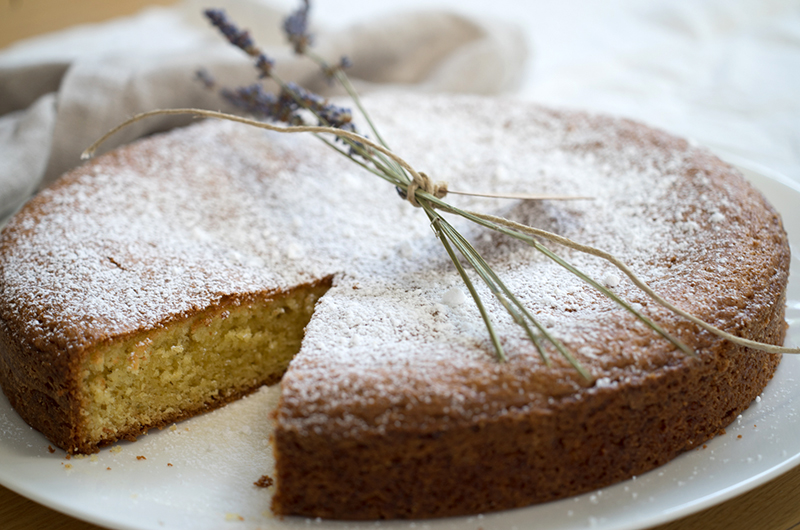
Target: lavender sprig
[[295, 26], [337, 72]]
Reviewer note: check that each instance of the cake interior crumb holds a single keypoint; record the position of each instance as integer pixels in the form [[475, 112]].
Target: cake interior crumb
[[157, 376]]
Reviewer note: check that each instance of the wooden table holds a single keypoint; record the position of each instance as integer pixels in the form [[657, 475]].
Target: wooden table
[[773, 506], [20, 18]]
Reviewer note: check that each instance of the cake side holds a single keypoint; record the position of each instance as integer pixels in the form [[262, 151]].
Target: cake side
[[528, 455], [521, 458]]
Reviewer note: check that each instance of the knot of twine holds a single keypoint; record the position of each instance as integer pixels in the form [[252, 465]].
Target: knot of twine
[[424, 183]]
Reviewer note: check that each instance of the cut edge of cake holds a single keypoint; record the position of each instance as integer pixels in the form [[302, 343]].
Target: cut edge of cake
[[123, 386]]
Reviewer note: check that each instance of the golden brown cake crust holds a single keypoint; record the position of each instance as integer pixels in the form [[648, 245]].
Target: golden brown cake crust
[[395, 406]]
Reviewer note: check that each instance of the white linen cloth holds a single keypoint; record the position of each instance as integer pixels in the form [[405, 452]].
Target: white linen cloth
[[725, 73], [60, 92]]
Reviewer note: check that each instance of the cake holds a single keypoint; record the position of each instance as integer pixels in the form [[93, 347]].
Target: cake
[[183, 271]]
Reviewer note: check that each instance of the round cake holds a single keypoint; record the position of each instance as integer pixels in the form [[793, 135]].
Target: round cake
[[188, 269]]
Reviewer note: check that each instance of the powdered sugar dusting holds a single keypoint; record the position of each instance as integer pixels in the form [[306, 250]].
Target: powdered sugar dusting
[[175, 223]]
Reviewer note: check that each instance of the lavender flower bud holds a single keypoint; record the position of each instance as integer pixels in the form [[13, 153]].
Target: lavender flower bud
[[239, 38], [296, 28], [206, 78], [265, 65]]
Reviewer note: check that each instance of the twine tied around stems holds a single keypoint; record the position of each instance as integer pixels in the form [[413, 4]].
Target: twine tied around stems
[[423, 182]]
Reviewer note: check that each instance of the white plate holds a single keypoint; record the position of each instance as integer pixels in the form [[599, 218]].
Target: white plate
[[215, 459]]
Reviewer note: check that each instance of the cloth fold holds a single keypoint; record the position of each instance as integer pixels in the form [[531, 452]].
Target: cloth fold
[[60, 93], [25, 139]]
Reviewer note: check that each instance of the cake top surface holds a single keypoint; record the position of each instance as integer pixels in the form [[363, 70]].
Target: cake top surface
[[176, 222]]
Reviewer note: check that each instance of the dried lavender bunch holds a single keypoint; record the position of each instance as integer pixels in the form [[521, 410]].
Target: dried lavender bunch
[[286, 107]]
